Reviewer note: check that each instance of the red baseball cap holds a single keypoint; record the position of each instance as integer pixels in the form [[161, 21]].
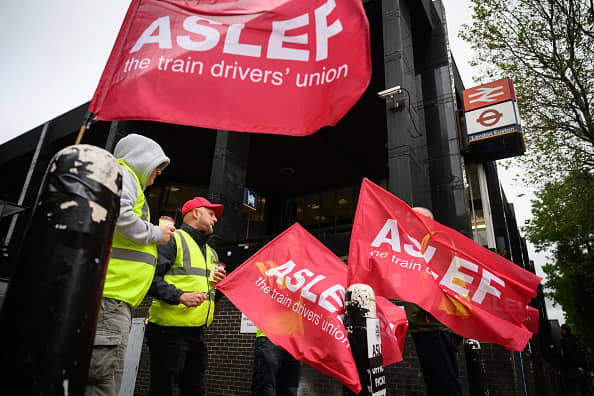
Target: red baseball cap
[[198, 202]]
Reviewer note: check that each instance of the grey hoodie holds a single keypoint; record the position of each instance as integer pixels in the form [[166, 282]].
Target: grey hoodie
[[142, 155]]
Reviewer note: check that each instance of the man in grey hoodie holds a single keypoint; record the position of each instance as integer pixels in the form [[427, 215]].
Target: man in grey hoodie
[[131, 263]]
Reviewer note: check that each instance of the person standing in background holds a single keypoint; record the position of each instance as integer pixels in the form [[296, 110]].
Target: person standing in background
[[575, 365], [436, 345], [276, 372]]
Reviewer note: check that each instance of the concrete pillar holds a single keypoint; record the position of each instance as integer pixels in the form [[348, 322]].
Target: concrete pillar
[[405, 129], [227, 180], [448, 196]]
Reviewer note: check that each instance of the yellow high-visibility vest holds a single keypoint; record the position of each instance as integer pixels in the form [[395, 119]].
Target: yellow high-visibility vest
[[131, 266], [189, 272]]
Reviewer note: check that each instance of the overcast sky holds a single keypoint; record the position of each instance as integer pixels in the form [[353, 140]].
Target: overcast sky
[[53, 53]]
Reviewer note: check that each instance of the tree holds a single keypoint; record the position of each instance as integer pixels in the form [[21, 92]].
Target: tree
[[564, 224], [547, 48]]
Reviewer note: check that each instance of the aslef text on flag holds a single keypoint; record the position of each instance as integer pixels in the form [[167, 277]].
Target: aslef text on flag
[[406, 256], [293, 290], [277, 66]]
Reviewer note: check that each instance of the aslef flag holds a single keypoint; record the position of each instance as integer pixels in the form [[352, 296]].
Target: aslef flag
[[393, 326], [532, 319], [269, 66], [293, 289], [406, 256]]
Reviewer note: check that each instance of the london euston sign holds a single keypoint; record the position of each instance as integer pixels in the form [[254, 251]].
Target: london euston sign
[[492, 117], [489, 107], [491, 114]]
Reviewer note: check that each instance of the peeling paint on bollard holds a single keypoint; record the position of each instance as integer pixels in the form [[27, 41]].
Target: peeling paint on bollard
[[48, 319], [362, 297], [363, 331]]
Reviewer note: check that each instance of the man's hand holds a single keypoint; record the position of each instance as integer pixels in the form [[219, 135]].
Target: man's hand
[[193, 299], [168, 231], [218, 275]]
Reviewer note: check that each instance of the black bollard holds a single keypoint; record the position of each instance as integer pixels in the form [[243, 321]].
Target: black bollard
[[476, 368], [48, 319], [363, 329]]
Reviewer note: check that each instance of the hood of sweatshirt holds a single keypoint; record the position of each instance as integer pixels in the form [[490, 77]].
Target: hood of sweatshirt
[[142, 154]]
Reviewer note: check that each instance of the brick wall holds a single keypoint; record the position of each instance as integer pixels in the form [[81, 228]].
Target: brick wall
[[230, 354], [500, 364], [231, 359]]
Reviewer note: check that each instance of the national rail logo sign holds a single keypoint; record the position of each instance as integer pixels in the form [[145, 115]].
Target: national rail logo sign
[[488, 94], [491, 111]]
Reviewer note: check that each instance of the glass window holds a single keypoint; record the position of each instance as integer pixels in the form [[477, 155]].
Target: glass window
[[327, 208], [167, 200], [345, 205]]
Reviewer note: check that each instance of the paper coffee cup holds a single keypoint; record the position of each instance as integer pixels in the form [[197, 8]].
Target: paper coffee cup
[[166, 220], [217, 266]]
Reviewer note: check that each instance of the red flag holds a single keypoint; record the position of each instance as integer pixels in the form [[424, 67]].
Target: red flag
[[393, 326], [293, 289], [404, 255], [532, 319], [270, 66]]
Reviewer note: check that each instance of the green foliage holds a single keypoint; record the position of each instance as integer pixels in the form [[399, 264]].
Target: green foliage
[[563, 222], [547, 48]]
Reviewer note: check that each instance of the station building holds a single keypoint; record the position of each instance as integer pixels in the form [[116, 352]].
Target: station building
[[414, 144]]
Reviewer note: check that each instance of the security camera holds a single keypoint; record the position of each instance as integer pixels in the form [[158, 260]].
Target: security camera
[[389, 95], [390, 92]]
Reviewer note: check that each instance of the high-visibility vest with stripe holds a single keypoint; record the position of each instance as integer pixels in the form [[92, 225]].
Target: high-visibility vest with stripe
[[131, 266], [189, 273]]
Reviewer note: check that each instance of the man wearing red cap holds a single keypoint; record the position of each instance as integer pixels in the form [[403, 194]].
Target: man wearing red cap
[[183, 305]]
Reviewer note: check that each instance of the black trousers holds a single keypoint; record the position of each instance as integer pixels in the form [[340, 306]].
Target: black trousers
[[276, 372], [179, 356], [437, 352]]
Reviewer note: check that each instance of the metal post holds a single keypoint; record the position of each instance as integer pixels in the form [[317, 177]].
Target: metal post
[[114, 136], [27, 182], [521, 373], [363, 331], [48, 319], [475, 367]]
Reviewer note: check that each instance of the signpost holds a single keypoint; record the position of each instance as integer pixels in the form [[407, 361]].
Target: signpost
[[492, 119]]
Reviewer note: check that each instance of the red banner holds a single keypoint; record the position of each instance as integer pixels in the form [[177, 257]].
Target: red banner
[[532, 319], [270, 66], [404, 255], [293, 290], [393, 326]]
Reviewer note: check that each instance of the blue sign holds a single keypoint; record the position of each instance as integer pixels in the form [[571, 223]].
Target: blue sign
[[249, 198]]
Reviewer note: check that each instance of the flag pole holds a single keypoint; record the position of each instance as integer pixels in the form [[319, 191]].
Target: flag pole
[[86, 125]]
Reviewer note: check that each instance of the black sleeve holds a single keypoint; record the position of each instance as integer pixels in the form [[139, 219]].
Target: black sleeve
[[160, 289]]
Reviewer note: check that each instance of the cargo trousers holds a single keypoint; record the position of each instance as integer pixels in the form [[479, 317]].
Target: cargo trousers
[[109, 348]]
